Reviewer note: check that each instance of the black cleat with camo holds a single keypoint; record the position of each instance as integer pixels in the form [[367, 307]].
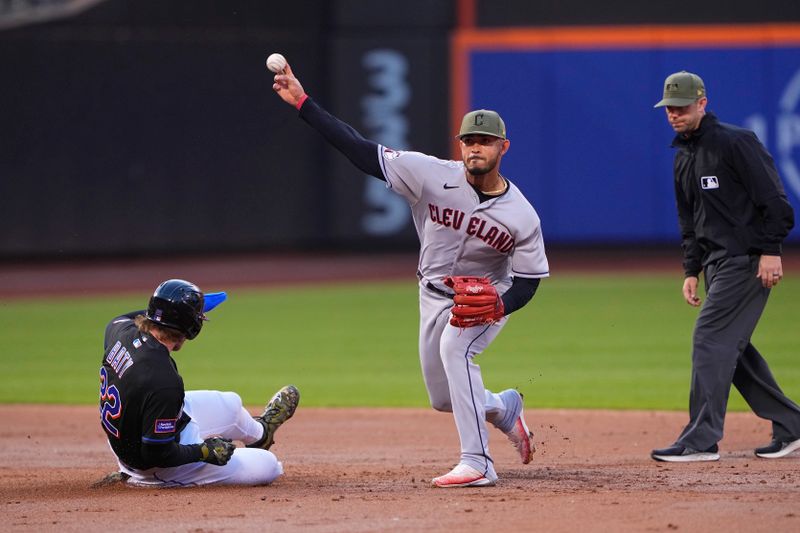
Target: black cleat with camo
[[279, 409]]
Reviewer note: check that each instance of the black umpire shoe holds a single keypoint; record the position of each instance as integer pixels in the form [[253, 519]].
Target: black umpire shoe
[[677, 453], [778, 448]]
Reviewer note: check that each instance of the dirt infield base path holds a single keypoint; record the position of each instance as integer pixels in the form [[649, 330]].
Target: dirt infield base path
[[354, 470]]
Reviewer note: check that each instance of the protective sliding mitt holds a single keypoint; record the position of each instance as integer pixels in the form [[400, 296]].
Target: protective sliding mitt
[[476, 301], [217, 450]]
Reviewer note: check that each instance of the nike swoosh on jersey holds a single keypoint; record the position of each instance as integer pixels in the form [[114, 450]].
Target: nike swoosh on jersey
[[446, 186]]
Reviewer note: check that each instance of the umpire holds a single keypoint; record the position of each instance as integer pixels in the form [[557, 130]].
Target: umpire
[[733, 215]]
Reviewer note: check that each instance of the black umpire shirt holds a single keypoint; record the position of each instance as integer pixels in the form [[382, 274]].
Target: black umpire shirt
[[730, 199], [141, 399]]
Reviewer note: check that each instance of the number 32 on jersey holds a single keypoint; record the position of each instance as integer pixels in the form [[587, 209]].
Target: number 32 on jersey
[[110, 403]]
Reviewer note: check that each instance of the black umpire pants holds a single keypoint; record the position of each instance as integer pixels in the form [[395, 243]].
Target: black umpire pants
[[722, 354]]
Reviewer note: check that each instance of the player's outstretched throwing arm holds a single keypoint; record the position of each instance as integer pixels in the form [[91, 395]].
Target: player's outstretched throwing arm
[[362, 152]]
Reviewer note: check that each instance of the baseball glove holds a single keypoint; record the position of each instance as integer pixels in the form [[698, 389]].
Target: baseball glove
[[476, 301]]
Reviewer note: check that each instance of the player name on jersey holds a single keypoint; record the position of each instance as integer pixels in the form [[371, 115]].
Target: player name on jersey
[[119, 358], [476, 227]]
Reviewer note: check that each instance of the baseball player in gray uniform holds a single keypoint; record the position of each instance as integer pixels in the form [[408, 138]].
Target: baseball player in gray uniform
[[481, 258]]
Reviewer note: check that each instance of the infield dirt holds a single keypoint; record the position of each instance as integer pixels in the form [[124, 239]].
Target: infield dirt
[[350, 470]]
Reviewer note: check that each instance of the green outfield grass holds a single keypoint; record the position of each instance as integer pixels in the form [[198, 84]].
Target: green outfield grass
[[583, 342]]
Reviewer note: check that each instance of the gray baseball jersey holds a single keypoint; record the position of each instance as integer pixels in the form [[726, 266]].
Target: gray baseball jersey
[[460, 235]]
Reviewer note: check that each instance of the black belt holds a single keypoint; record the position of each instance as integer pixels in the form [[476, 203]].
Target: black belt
[[431, 287]]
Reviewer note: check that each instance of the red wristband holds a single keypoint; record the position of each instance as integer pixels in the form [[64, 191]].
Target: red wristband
[[301, 102]]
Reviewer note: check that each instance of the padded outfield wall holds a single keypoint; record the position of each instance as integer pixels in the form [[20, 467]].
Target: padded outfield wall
[[587, 146], [136, 129]]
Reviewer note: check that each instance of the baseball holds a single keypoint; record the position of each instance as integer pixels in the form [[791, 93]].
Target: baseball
[[276, 63]]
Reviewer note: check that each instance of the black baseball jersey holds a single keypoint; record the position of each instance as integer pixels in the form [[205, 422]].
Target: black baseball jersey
[[141, 398]]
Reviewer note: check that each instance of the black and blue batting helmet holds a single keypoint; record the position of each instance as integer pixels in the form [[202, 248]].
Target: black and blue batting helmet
[[178, 305]]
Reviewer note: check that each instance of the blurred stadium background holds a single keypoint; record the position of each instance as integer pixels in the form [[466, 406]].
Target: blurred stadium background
[[149, 128]]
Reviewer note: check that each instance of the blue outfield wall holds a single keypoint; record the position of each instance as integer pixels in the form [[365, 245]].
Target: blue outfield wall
[[593, 155]]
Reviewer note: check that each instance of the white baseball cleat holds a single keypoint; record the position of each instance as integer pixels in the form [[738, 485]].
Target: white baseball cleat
[[462, 476], [519, 434], [522, 439]]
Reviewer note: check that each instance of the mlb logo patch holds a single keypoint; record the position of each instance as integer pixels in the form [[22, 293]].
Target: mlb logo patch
[[166, 425], [709, 182], [137, 343]]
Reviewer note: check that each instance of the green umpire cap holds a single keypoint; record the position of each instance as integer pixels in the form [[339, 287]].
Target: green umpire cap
[[483, 122], [682, 88]]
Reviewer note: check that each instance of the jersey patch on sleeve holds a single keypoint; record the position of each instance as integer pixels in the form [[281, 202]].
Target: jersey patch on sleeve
[[166, 425], [390, 154]]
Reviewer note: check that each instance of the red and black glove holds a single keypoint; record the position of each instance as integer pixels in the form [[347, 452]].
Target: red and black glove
[[476, 301]]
